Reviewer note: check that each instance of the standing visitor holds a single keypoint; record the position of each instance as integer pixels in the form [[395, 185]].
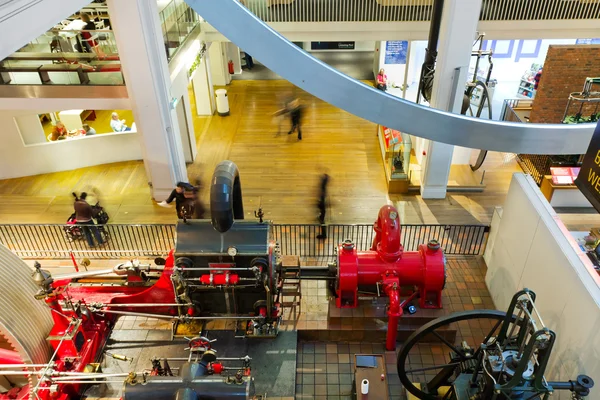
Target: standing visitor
[[83, 215], [382, 80], [322, 203]]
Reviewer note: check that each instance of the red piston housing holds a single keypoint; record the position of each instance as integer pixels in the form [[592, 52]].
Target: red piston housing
[[387, 264], [220, 279]]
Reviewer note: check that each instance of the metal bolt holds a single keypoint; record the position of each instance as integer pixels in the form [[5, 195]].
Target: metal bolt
[[433, 245], [348, 245]]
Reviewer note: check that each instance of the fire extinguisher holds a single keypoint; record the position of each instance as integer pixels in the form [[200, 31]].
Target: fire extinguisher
[[230, 65]]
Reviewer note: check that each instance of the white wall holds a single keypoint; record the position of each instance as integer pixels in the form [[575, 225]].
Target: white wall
[[179, 90], [531, 248], [218, 63], [233, 54], [18, 159]]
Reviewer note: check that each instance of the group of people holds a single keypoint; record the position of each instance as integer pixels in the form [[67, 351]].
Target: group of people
[[189, 205], [60, 131]]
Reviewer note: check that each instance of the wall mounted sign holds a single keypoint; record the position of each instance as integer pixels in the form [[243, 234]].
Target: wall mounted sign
[[395, 51], [332, 45], [588, 180]]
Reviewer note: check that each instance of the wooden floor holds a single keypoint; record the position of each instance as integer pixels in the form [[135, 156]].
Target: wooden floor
[[278, 171]]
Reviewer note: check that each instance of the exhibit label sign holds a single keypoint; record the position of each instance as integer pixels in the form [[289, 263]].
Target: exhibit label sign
[[395, 51], [588, 180]]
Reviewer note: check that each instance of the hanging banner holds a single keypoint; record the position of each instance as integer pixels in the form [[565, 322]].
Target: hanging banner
[[395, 51], [588, 180]]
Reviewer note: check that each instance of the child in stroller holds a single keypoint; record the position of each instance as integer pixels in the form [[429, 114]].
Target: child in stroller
[[75, 232]]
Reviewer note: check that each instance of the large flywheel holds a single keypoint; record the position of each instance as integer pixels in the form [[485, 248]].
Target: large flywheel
[[24, 321], [431, 356]]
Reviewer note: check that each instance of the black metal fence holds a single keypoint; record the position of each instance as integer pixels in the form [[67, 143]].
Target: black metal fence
[[302, 240], [56, 241], [47, 241]]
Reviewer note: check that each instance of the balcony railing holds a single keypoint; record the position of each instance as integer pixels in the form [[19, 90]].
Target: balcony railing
[[65, 57], [415, 10], [49, 241], [178, 20]]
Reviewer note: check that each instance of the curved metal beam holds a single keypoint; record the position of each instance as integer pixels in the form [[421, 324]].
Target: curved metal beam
[[283, 57]]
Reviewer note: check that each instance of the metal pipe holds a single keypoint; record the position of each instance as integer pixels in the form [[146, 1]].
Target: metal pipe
[[67, 332], [75, 275], [247, 358], [214, 269], [81, 382], [70, 375], [145, 305], [171, 317]]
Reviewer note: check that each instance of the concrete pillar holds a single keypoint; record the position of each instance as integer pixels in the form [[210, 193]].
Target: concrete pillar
[[218, 63], [203, 88], [457, 33], [144, 63]]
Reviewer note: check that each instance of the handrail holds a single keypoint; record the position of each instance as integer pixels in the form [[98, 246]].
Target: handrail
[[332, 86], [415, 10], [59, 241]]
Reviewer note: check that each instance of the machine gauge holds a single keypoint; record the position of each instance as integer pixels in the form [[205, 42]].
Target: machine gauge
[[232, 251]]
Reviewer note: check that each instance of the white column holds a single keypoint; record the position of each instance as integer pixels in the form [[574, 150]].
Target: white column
[[144, 63], [218, 63], [457, 33], [203, 88]]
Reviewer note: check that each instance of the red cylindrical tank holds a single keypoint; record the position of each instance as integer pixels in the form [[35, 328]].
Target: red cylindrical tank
[[220, 279], [230, 67], [424, 268]]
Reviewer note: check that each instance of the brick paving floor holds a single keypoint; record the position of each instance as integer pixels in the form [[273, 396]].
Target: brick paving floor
[[332, 336]]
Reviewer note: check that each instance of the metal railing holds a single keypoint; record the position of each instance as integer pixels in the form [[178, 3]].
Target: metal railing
[[538, 165], [302, 240], [56, 241], [47, 241], [509, 106], [177, 20], [415, 10]]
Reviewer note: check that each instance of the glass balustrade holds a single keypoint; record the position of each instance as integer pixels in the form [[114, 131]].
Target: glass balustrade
[[65, 57], [178, 20]]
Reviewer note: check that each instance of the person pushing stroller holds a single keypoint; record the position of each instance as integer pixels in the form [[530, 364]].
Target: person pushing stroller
[[84, 214]]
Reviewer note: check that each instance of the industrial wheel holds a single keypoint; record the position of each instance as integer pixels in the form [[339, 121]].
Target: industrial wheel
[[431, 355]]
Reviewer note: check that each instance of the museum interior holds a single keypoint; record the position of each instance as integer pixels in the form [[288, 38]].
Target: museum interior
[[300, 199]]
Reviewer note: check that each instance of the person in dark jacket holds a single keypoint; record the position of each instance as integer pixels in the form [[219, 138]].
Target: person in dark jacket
[[295, 110], [179, 195], [322, 204], [84, 214]]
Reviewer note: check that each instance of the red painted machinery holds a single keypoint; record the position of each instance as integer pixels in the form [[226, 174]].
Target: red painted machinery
[[388, 267]]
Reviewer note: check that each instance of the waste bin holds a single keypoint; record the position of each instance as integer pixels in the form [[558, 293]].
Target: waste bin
[[222, 102]]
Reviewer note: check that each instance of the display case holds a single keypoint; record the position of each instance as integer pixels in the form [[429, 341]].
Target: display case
[[395, 152], [526, 88]]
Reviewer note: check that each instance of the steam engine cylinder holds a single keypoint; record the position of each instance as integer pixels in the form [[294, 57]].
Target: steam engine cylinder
[[192, 383], [424, 268]]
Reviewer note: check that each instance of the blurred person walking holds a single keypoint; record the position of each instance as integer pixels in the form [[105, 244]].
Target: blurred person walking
[[324, 179], [295, 110]]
